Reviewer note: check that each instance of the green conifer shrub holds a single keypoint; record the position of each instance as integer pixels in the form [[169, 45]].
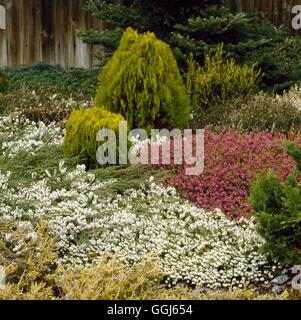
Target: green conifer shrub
[[142, 82], [81, 131], [278, 209]]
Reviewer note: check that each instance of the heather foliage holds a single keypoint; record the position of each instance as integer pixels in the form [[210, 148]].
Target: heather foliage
[[232, 161], [18, 135], [71, 229], [278, 208], [192, 246], [262, 112], [29, 257], [115, 210], [142, 82], [218, 80], [45, 104]]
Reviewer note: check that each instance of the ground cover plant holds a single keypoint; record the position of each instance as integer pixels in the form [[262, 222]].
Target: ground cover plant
[[38, 183], [42, 75], [148, 218], [232, 161], [108, 279]]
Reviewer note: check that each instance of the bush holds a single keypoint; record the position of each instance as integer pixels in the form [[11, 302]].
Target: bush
[[32, 272], [28, 256], [218, 80], [142, 82], [278, 209], [3, 82], [82, 128], [260, 112], [232, 161]]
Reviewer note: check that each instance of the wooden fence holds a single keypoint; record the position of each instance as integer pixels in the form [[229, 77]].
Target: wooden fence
[[279, 12], [46, 30]]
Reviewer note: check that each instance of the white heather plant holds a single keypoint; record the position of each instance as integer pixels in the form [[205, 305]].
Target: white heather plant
[[19, 134], [293, 96], [191, 245]]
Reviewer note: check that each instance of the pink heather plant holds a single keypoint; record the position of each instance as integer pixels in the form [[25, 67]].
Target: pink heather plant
[[232, 160]]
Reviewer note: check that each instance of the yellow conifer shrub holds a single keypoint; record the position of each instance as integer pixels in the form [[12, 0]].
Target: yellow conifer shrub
[[143, 83], [81, 131]]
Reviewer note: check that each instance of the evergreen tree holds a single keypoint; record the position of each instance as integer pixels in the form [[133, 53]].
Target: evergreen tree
[[158, 16]]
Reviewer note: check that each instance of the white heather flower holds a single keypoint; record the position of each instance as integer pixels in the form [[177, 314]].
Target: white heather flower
[[191, 244], [22, 135]]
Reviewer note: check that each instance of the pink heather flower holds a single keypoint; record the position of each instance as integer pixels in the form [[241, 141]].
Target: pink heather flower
[[232, 161]]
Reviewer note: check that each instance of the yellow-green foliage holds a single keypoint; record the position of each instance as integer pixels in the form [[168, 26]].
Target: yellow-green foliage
[[27, 270], [82, 127], [143, 83], [218, 80], [110, 280], [32, 274]]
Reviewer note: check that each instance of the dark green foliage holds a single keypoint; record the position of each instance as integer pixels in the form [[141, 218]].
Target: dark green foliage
[[71, 80], [3, 82], [158, 16], [196, 27], [247, 40], [142, 82], [278, 209]]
